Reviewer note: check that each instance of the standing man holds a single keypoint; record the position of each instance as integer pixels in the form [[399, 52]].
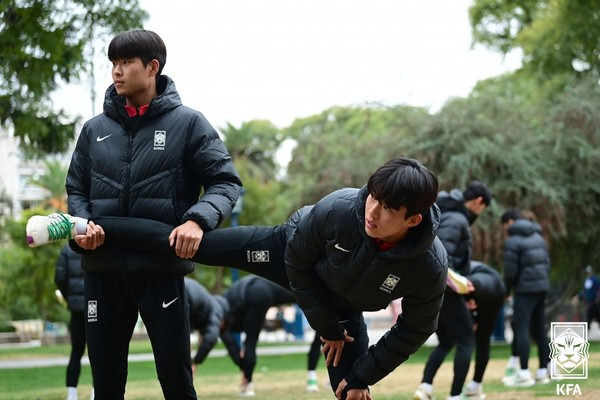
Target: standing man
[[69, 278], [459, 211], [145, 156], [527, 275]]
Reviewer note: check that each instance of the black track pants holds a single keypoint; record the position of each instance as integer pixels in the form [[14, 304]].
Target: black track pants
[[77, 334], [455, 328], [113, 303]]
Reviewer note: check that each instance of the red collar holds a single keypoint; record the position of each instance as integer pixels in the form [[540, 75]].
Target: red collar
[[133, 112], [384, 246]]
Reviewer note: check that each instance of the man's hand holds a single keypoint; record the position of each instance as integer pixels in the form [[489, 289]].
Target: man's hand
[[353, 394], [470, 286], [93, 238], [471, 305], [194, 367], [186, 238], [333, 349]]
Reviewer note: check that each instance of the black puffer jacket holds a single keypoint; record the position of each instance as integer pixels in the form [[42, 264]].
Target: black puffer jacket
[[154, 166], [252, 286], [526, 259], [70, 278], [454, 230], [489, 286], [206, 314], [334, 268]]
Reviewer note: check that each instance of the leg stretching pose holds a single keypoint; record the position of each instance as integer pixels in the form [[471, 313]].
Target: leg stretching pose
[[354, 250]]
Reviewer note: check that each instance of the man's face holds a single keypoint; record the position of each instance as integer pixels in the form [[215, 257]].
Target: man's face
[[387, 224], [131, 78], [505, 226], [476, 206]]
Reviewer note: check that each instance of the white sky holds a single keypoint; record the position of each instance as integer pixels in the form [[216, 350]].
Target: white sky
[[238, 60]]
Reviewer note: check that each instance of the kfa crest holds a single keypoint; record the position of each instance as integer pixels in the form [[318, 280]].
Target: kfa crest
[[160, 139], [389, 283]]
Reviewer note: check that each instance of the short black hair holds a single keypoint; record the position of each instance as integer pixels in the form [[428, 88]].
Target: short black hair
[[511, 213], [404, 182], [478, 189], [146, 45]]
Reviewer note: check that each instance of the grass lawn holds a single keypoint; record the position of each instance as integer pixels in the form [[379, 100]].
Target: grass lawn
[[276, 378]]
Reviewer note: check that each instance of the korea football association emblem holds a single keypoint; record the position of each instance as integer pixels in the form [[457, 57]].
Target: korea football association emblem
[[160, 140]]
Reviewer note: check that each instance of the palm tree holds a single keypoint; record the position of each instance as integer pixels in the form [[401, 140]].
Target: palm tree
[[53, 181], [254, 144]]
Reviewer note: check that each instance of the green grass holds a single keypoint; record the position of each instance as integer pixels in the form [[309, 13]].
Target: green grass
[[276, 377], [62, 350]]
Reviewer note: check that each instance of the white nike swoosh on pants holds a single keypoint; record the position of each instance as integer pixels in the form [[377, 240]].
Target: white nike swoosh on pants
[[165, 305]]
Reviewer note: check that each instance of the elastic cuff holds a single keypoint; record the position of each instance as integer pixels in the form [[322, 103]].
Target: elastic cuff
[[354, 382], [333, 333]]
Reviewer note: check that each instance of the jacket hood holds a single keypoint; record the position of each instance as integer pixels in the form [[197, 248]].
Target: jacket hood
[[453, 201], [419, 238], [524, 227], [166, 100]]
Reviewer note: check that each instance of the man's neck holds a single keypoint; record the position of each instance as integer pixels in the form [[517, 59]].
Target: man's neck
[[142, 98]]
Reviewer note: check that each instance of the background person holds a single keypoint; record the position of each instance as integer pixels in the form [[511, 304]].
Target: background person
[[485, 299], [455, 328], [591, 295], [69, 278], [207, 313], [527, 276], [249, 300]]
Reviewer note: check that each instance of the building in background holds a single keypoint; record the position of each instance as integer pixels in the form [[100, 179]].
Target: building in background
[[16, 190]]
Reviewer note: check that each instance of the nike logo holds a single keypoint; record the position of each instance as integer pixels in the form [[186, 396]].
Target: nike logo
[[337, 246], [99, 139], [165, 305]]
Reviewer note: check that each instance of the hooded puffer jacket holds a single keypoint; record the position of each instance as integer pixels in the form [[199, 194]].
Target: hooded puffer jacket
[[335, 268], [153, 166], [70, 278], [206, 313], [454, 230], [526, 259]]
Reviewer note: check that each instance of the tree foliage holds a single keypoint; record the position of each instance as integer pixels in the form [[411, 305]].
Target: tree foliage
[[571, 135], [559, 38], [342, 146], [256, 142], [43, 43], [53, 181], [27, 275]]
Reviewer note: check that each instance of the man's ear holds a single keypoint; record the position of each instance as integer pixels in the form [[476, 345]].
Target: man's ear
[[414, 220], [154, 66]]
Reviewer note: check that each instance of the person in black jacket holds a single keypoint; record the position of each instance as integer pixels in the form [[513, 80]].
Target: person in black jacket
[[459, 211], [485, 293], [355, 250], [249, 300], [527, 276], [242, 308], [207, 315], [145, 156], [69, 278]]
